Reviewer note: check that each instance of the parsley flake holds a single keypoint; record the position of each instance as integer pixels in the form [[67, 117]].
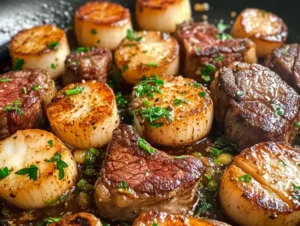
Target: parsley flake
[[50, 142], [278, 108], [245, 178], [4, 172], [4, 79], [60, 164], [24, 90], [53, 45], [223, 36], [123, 185], [152, 114], [219, 58], [84, 185], [90, 156], [125, 67], [36, 87], [207, 71], [93, 31], [49, 220], [202, 94], [222, 27], [178, 102], [53, 66], [144, 145], [83, 49], [74, 91], [131, 36], [152, 64], [147, 87], [297, 125], [32, 172], [18, 64]]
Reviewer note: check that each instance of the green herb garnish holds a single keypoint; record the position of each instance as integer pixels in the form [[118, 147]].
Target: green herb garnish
[[125, 67], [147, 103], [32, 172], [18, 64], [219, 58], [178, 102], [282, 163], [245, 178], [84, 185], [15, 107], [36, 87], [74, 91], [222, 27], [223, 36], [4, 172], [131, 36], [202, 94], [90, 156], [53, 66], [278, 108], [122, 101], [49, 220], [297, 125], [93, 31], [181, 157], [207, 71], [60, 164], [123, 185], [4, 79], [240, 93], [195, 84], [24, 90], [50, 142], [83, 49], [53, 45], [147, 87], [152, 64], [152, 114], [143, 144]]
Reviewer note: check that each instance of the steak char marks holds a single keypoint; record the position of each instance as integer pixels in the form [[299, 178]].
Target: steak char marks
[[23, 98], [202, 44], [253, 105], [157, 181], [285, 61]]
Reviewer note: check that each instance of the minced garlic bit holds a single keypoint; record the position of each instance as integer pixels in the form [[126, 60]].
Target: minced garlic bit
[[201, 7]]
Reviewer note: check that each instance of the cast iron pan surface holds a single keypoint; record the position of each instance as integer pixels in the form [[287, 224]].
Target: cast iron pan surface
[[16, 15]]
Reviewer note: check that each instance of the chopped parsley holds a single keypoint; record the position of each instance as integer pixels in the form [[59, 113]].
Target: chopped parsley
[[198, 50], [84, 185], [60, 164], [223, 36], [32, 172], [202, 94], [245, 178], [122, 101], [152, 114], [152, 64], [204, 207], [278, 108], [296, 191], [90, 156], [219, 58], [181, 157], [147, 103], [215, 152], [178, 102], [53, 66], [98, 41], [18, 64], [125, 67], [4, 79], [264, 12], [49, 220], [4, 172], [14, 107], [222, 27], [131, 36], [36, 87], [53, 45], [297, 125], [58, 200], [282, 163], [195, 84], [154, 224], [207, 71], [93, 31], [50, 142], [94, 127], [148, 86], [123, 185], [240, 93], [24, 90], [83, 49], [74, 91], [143, 144]]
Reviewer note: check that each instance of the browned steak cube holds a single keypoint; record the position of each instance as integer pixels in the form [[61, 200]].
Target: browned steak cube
[[87, 64], [202, 45], [23, 97], [285, 61], [136, 177], [253, 105]]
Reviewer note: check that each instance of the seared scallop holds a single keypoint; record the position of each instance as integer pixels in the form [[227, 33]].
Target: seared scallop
[[146, 53], [265, 29], [45, 47], [161, 15], [173, 111], [84, 115], [78, 219], [164, 219], [262, 186], [101, 24], [35, 167]]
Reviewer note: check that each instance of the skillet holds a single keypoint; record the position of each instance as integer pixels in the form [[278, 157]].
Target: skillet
[[16, 15]]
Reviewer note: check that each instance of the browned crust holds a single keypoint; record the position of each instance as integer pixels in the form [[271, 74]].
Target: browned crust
[[280, 36], [88, 13], [156, 4], [78, 219], [17, 47]]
